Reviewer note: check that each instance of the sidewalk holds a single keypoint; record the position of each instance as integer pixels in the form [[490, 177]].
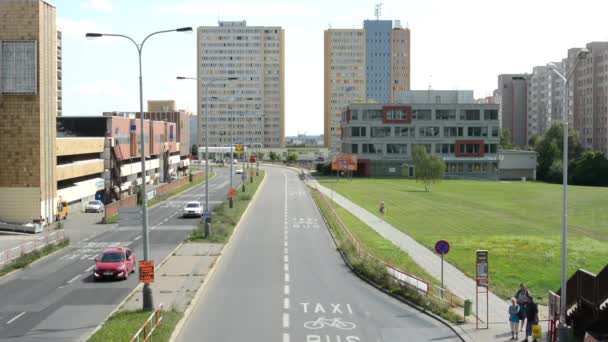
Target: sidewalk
[[454, 279], [179, 277]]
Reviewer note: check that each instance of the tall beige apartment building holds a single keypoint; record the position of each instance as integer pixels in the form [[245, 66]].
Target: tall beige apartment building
[[241, 83], [28, 107], [371, 64], [589, 96]]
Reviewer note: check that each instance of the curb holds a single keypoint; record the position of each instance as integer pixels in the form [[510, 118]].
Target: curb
[[36, 261], [180, 325], [378, 287], [135, 289]]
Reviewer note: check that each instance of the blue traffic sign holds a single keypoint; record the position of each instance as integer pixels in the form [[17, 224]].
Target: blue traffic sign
[[442, 247], [133, 128]]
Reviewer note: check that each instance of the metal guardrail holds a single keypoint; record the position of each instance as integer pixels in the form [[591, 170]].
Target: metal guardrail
[[401, 277], [9, 255], [147, 329]]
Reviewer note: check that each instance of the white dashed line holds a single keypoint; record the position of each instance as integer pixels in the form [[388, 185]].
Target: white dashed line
[[286, 258], [137, 238], [285, 337], [90, 269], [286, 290], [72, 280], [286, 303], [14, 318], [286, 267], [285, 320], [286, 244], [287, 277], [285, 250]]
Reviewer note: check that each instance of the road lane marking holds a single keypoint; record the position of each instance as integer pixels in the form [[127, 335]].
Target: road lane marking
[[137, 238], [286, 303], [285, 250], [286, 267], [14, 318], [90, 269], [287, 277], [286, 258], [73, 279], [285, 320], [286, 244], [285, 337], [286, 290]]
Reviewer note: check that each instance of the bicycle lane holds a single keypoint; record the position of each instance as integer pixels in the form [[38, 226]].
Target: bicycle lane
[[325, 301]]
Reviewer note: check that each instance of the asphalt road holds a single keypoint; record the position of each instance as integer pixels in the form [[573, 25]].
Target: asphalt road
[[281, 279], [57, 300]]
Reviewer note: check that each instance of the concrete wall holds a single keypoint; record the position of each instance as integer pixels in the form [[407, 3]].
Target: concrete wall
[[72, 146], [19, 204], [79, 169]]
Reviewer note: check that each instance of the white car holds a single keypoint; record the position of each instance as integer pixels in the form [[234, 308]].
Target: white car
[[193, 209], [238, 171], [94, 207]]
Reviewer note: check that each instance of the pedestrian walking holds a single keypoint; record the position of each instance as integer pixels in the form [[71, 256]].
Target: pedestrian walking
[[531, 317], [514, 318], [523, 296], [382, 209]]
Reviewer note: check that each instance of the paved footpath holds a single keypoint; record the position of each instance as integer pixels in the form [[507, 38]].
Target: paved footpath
[[455, 280]]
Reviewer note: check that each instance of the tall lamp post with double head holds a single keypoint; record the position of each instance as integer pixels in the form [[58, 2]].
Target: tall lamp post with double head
[[563, 327], [207, 215], [148, 302]]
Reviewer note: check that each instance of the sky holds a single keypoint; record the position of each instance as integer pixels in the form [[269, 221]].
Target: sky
[[461, 45]]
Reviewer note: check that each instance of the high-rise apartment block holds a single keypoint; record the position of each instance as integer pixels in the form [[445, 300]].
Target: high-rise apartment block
[[59, 74], [589, 96], [544, 100], [241, 84], [28, 107], [512, 99], [361, 65]]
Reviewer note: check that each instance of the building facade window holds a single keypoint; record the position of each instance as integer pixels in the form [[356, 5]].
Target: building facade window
[[396, 148], [372, 148], [380, 132], [470, 115], [445, 114], [453, 131], [428, 131], [403, 131], [422, 114], [358, 131], [490, 114], [475, 131]]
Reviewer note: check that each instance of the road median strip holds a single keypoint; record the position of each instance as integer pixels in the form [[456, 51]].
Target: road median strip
[[32, 257]]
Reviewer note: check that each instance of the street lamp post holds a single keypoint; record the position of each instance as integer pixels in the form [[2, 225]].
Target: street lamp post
[[207, 215], [148, 302], [563, 327]]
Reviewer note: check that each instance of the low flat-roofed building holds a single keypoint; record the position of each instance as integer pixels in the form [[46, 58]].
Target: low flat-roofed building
[[464, 134]]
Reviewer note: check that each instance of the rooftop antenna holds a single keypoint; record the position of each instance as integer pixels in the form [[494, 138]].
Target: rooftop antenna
[[378, 11], [429, 90]]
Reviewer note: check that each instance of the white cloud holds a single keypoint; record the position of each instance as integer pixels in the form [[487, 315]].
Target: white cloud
[[104, 5]]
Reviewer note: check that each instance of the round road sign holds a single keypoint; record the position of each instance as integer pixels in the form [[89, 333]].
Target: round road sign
[[442, 247]]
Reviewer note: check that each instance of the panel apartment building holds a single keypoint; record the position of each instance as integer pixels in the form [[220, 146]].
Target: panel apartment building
[[249, 109], [361, 65], [28, 109]]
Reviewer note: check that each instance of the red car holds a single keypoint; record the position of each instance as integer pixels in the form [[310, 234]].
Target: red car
[[115, 263]]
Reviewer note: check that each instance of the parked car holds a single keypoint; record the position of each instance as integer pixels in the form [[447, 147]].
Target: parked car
[[94, 207], [193, 209], [238, 171], [114, 263]]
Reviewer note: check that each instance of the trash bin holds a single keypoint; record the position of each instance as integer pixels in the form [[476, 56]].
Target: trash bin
[[468, 307]]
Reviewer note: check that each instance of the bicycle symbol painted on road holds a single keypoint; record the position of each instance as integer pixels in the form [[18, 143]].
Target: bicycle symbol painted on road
[[337, 322]]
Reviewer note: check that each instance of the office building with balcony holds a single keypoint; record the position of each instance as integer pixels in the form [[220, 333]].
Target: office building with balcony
[[99, 157], [371, 64], [251, 108], [465, 134]]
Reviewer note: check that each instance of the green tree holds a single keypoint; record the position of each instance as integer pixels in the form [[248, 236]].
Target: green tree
[[550, 148], [590, 169], [273, 156], [292, 157], [506, 140], [260, 156], [194, 150], [429, 168]]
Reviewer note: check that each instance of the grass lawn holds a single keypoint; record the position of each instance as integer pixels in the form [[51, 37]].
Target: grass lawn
[[122, 325], [225, 219], [519, 223]]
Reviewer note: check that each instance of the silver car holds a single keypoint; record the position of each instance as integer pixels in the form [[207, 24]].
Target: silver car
[[94, 207], [193, 209]]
